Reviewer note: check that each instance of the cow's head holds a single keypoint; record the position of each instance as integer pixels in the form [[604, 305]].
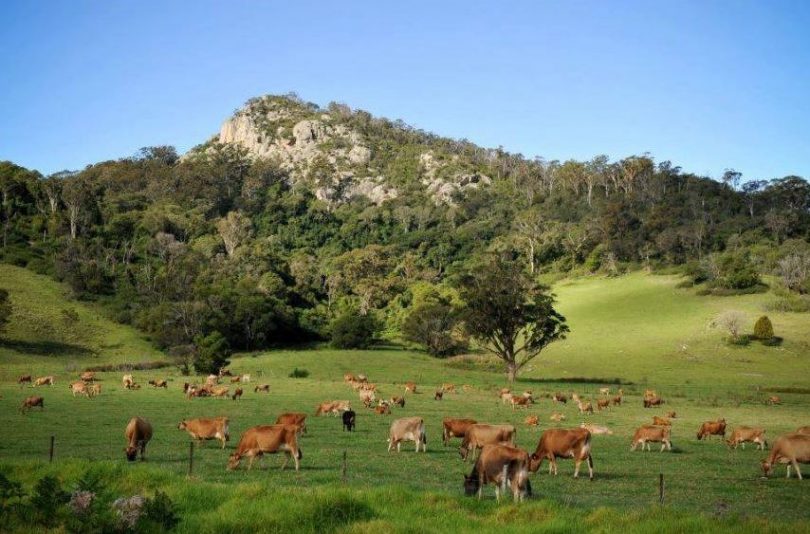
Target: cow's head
[[471, 484], [182, 425], [132, 453], [766, 467], [233, 461], [535, 460]]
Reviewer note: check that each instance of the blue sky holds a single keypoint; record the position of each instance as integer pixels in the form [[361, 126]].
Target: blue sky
[[706, 84]]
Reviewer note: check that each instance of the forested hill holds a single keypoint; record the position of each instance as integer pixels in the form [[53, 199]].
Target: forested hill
[[293, 214]]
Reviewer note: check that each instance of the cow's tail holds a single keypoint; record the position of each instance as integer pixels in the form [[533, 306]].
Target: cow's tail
[[300, 454], [422, 433]]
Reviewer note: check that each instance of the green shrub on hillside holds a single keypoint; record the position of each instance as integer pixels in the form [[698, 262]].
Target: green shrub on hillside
[[763, 329], [351, 330], [212, 353]]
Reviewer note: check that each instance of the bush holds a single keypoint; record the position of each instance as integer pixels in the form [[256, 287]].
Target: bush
[[434, 325], [353, 331], [212, 353], [763, 329], [299, 373]]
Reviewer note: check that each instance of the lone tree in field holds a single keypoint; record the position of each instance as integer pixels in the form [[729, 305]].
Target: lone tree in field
[[763, 329], [731, 321], [510, 313]]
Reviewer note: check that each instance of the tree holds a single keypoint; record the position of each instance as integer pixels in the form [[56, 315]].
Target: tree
[[212, 353], [234, 228], [795, 272], [76, 195], [510, 313], [352, 330], [731, 321], [763, 329], [433, 324], [5, 310]]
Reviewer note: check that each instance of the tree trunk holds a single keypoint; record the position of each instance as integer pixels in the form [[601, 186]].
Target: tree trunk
[[511, 371]]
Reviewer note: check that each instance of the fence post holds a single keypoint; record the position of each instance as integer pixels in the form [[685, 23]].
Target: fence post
[[345, 466], [50, 453], [661, 488], [190, 457]]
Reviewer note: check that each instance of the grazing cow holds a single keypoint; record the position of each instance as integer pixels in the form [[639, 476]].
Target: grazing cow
[[348, 377], [293, 419], [382, 409], [211, 380], [617, 400], [651, 434], [221, 391], [604, 391], [449, 388], [237, 394], [747, 434], [362, 378], [455, 428], [367, 397], [93, 390], [24, 379], [236, 379], [531, 420], [349, 420], [207, 428], [159, 384], [410, 387], [596, 429], [523, 402], [87, 376], [78, 388], [557, 417], [500, 465], [44, 381], [803, 430], [661, 421], [32, 401], [712, 428], [224, 372], [649, 402], [267, 439], [559, 397], [774, 400], [563, 443], [790, 449], [672, 415], [575, 398], [399, 401], [438, 395], [585, 407], [127, 381], [263, 387], [506, 398], [603, 404], [333, 407], [138, 434], [650, 393], [478, 435], [407, 429]]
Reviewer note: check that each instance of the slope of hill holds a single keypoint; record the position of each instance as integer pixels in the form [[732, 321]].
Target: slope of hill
[[50, 333]]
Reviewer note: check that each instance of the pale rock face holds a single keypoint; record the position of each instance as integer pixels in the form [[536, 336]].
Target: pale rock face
[[442, 190]]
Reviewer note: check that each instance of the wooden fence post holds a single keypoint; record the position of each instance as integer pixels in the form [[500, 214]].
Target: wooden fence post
[[661, 488], [345, 466], [190, 457], [50, 453]]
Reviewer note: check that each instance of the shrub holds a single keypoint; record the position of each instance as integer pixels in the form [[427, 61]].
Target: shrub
[[212, 353], [763, 329], [434, 325], [159, 511], [732, 322], [299, 373], [353, 331]]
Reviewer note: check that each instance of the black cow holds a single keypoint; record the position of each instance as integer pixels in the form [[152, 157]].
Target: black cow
[[348, 420]]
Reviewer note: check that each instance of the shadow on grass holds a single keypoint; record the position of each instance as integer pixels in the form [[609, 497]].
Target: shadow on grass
[[577, 380], [46, 348]]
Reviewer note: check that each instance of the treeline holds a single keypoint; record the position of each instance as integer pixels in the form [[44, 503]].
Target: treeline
[[218, 251]]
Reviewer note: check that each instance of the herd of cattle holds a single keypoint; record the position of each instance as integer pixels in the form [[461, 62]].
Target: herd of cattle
[[498, 461]]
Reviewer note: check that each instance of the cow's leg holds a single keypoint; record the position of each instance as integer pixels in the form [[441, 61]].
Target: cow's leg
[[576, 467], [796, 466], [590, 467], [398, 443], [743, 445], [788, 471], [390, 444]]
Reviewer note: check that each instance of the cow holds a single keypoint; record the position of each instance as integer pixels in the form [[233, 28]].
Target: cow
[[500, 465], [604, 391], [647, 434], [478, 435], [399, 401], [410, 387], [31, 402], [790, 449], [506, 398], [93, 390], [382, 409], [563, 443], [44, 381], [521, 401], [803, 430], [585, 407], [603, 404], [333, 407], [650, 393], [224, 372], [559, 397], [138, 433], [596, 429], [293, 419], [159, 384], [245, 378], [438, 395], [649, 402], [24, 379], [236, 379], [220, 391], [531, 420], [87, 376], [617, 400], [557, 417], [661, 421], [263, 388], [712, 428], [367, 397], [348, 378], [407, 429], [575, 398], [747, 434], [204, 429], [672, 415], [455, 428], [237, 394], [349, 420], [257, 441], [127, 381], [78, 388], [449, 388], [773, 400], [362, 378], [211, 380]]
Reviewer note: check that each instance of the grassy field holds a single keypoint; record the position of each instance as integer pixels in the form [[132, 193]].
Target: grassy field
[[639, 329]]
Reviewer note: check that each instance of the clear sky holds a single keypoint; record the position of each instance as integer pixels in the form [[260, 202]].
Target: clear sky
[[708, 85]]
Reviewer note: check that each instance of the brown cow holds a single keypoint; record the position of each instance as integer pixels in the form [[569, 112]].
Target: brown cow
[[93, 390], [159, 384], [559, 397], [267, 439], [410, 387], [617, 400], [520, 401], [382, 409], [348, 377], [32, 401], [603, 404], [455, 428], [790, 449], [747, 434], [263, 387], [138, 434], [661, 421], [563, 443], [651, 434], [24, 379], [407, 429], [649, 402], [449, 388], [596, 429], [557, 417], [604, 391], [531, 420], [87, 376], [500, 465], [44, 381], [478, 435], [774, 400], [127, 381], [712, 428], [584, 407], [207, 428], [399, 401], [78, 388], [224, 372], [294, 419], [362, 378], [438, 395], [220, 391], [333, 407], [237, 394]]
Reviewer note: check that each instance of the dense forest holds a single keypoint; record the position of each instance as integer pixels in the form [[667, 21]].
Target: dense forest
[[223, 248]]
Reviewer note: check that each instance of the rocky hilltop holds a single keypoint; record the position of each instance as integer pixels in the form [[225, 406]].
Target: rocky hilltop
[[343, 153]]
